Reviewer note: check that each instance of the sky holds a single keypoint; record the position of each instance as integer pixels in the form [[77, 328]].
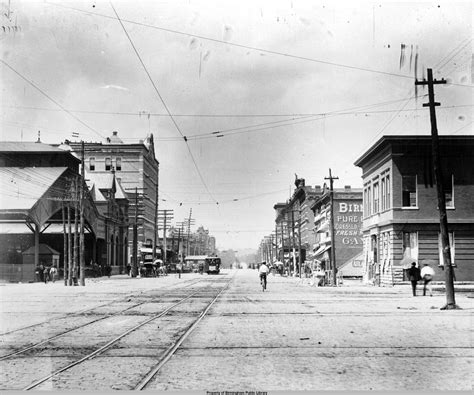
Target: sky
[[240, 96]]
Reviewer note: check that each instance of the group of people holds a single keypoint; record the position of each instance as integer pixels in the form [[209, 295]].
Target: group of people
[[46, 273], [426, 274]]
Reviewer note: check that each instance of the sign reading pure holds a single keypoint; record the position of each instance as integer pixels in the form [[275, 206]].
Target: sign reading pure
[[348, 223]]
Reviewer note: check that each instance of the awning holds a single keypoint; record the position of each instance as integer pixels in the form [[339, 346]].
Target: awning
[[321, 250]]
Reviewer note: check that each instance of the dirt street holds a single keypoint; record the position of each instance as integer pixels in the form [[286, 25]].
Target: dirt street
[[113, 332]]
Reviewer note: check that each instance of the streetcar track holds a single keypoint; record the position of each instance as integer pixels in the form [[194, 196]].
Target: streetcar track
[[85, 311], [107, 345], [68, 331], [174, 347]]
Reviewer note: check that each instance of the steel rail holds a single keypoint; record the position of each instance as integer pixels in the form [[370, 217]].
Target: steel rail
[[66, 315], [107, 345], [3, 357], [172, 349]]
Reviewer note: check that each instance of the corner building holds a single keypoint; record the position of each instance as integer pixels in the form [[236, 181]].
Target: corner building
[[400, 207], [136, 171]]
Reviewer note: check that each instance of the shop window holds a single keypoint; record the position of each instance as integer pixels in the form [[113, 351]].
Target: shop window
[[409, 193], [108, 164], [451, 248], [91, 164]]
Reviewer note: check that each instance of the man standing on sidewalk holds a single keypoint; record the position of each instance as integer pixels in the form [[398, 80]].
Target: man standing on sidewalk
[[427, 274], [414, 276]]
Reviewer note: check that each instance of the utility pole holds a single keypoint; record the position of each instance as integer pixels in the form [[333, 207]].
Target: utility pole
[[65, 254], [76, 232], [165, 216], [135, 237], [443, 223], [155, 229], [299, 240], [189, 222], [282, 235], [293, 239], [276, 242], [333, 242], [81, 203]]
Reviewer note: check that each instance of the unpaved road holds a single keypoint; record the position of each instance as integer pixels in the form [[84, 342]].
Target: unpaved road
[[292, 337]]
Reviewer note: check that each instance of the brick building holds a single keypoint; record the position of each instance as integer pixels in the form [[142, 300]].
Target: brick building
[[401, 218], [347, 211], [136, 171]]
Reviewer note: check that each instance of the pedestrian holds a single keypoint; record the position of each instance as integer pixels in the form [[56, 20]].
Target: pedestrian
[[427, 274], [414, 276], [179, 269], [52, 273], [46, 274]]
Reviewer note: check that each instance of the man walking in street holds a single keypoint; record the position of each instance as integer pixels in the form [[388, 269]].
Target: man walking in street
[[414, 276], [427, 274]]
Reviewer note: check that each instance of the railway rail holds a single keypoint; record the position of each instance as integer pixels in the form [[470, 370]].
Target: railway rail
[[168, 353], [190, 282]]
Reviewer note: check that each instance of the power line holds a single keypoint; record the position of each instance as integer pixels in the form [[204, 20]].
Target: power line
[[235, 44], [164, 104], [49, 97]]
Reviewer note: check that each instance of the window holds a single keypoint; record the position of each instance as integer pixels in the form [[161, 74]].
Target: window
[[376, 197], [388, 203], [451, 247], [91, 164], [409, 198], [383, 199], [108, 163], [410, 245], [369, 200], [118, 164]]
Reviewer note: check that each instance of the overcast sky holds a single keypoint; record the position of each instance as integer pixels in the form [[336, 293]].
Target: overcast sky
[[292, 87]]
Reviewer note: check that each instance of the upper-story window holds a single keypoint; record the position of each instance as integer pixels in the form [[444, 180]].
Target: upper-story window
[[91, 164], [409, 192], [108, 163], [388, 203], [376, 197], [385, 191], [118, 164]]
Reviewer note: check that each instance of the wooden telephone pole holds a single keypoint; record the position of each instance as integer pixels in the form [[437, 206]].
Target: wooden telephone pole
[[443, 223], [165, 216], [333, 244]]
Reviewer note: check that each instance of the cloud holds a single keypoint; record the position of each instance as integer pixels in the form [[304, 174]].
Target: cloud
[[120, 88]]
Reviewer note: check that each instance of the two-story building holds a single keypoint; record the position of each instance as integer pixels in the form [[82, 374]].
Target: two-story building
[[401, 216]]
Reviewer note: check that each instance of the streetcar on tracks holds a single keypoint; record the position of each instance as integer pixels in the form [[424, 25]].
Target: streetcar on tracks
[[202, 263]]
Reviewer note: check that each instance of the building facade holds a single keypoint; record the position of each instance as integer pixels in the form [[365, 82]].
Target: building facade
[[400, 207], [346, 206], [136, 171], [39, 194], [294, 224]]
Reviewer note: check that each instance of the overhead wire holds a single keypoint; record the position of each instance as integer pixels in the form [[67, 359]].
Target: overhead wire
[[164, 104], [234, 44], [50, 98]]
